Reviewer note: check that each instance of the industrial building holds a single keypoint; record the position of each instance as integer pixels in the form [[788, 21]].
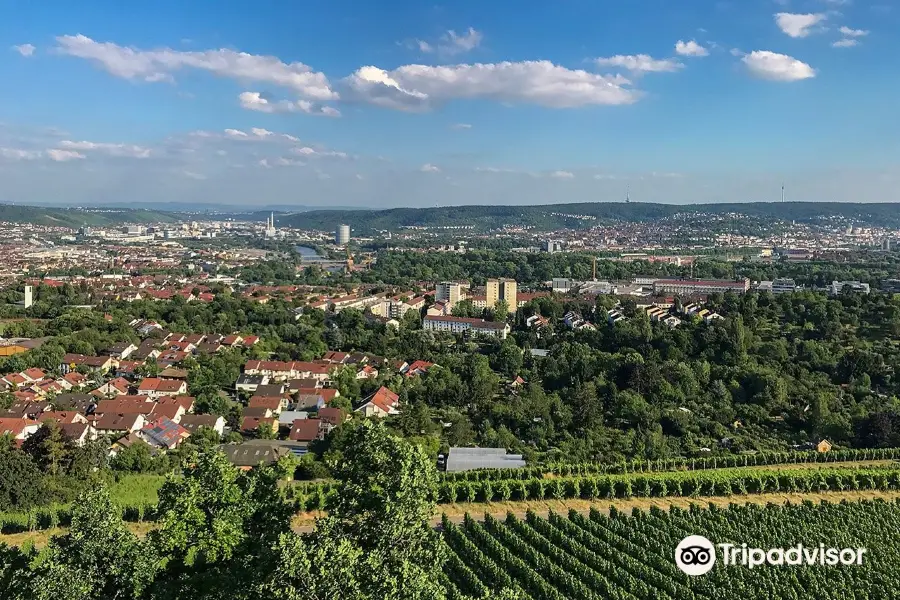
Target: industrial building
[[342, 235]]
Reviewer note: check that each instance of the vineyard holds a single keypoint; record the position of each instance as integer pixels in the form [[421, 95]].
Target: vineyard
[[537, 485], [631, 557]]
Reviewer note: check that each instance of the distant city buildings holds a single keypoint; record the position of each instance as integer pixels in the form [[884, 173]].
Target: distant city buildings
[[501, 289], [837, 287], [465, 325], [778, 286], [563, 285], [449, 292], [699, 286], [270, 226], [342, 235], [552, 246]]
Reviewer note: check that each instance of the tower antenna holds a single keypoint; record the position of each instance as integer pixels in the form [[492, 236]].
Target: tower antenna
[[782, 192], [627, 195]]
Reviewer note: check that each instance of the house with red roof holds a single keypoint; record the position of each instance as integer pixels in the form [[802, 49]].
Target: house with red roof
[[73, 379], [274, 403], [382, 403], [251, 425], [367, 372], [155, 387], [18, 428], [125, 405], [63, 417], [118, 424], [70, 362], [163, 433], [34, 374], [306, 430], [419, 367]]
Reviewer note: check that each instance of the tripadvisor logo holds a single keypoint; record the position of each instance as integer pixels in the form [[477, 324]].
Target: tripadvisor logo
[[696, 555]]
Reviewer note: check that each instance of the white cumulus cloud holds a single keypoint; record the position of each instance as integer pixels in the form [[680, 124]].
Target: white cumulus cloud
[[429, 168], [465, 42], [450, 43], [847, 31], [313, 152], [64, 155], [798, 25], [124, 150], [256, 101], [640, 63], [18, 154], [562, 174], [777, 67], [160, 65], [25, 50], [419, 87], [846, 43], [690, 48]]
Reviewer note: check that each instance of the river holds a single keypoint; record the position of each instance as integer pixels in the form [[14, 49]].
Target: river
[[308, 254]]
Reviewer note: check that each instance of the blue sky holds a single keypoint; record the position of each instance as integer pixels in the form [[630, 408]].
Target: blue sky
[[407, 103]]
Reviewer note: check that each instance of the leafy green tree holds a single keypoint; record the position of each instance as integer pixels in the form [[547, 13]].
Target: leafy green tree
[[98, 559], [21, 481], [500, 310], [376, 541], [136, 458], [265, 431], [48, 447], [205, 438], [15, 572], [201, 513]]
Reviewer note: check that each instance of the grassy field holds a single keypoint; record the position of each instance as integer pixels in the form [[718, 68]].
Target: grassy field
[[131, 490]]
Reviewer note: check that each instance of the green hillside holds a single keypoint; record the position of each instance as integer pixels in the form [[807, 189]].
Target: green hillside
[[76, 217], [553, 216]]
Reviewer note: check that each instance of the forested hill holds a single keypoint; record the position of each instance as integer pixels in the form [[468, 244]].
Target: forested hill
[[76, 217], [557, 216]]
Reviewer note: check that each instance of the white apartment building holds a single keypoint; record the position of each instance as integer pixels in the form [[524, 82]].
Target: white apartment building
[[448, 291], [463, 325]]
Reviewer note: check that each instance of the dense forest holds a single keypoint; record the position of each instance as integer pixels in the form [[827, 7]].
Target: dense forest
[[551, 217], [535, 269], [78, 217]]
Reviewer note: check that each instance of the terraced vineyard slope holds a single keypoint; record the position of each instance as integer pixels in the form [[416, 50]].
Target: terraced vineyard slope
[[631, 557]]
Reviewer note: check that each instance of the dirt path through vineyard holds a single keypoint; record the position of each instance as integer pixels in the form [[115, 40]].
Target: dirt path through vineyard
[[456, 512]]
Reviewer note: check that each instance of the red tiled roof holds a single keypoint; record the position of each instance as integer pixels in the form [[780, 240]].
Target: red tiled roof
[[333, 416], [384, 399], [125, 405], [13, 427], [251, 424], [304, 430], [270, 402], [62, 417]]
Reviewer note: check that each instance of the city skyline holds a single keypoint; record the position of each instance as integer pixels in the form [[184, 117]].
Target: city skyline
[[330, 104]]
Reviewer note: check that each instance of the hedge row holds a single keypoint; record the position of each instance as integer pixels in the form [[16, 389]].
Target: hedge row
[[661, 485], [678, 464], [49, 517]]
